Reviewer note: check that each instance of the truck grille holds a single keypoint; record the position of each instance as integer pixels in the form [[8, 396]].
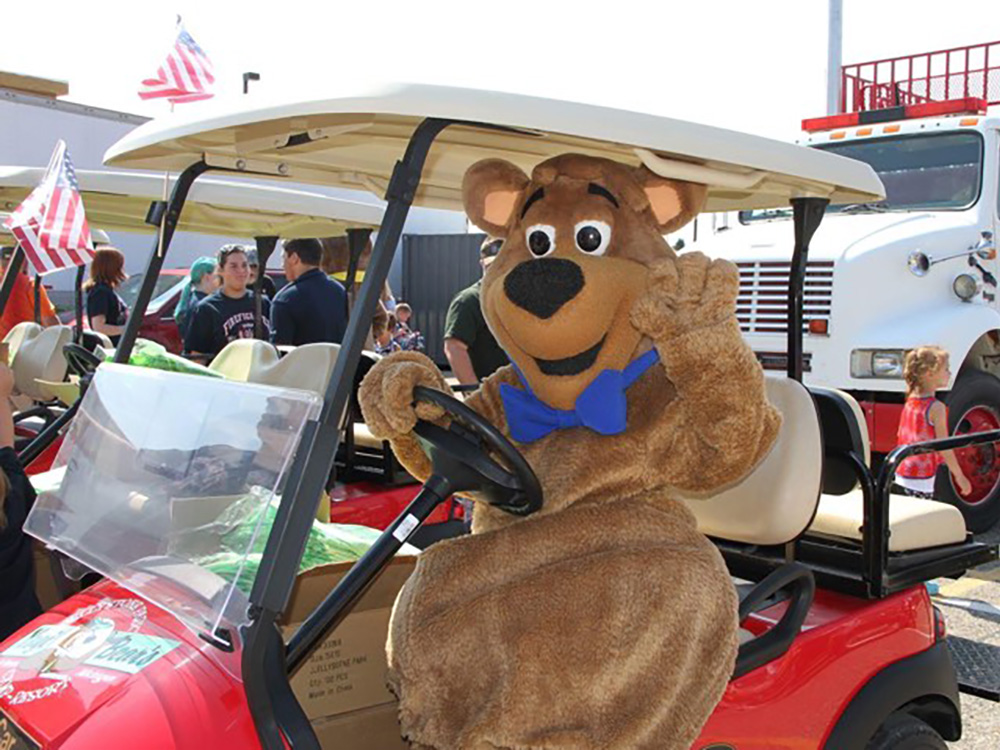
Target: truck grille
[[762, 305]]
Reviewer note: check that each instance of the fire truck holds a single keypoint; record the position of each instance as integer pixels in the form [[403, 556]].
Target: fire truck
[[916, 268]]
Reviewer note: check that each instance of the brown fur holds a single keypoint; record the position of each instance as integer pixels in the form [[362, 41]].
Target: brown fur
[[605, 620]]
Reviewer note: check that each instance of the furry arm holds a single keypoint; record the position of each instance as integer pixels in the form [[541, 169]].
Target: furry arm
[[386, 399], [722, 423]]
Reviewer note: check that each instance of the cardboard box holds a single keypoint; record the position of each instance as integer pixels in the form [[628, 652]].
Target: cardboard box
[[375, 728], [347, 672], [47, 589]]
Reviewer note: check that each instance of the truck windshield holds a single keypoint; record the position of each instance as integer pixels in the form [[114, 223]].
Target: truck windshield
[[924, 172]]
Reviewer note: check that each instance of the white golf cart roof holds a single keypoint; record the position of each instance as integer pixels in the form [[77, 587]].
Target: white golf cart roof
[[120, 201], [354, 141]]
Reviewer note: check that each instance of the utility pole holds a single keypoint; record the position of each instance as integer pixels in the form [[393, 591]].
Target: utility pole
[[834, 56], [247, 77]]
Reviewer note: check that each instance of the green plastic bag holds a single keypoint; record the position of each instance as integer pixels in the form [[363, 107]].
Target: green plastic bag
[[149, 354], [240, 554]]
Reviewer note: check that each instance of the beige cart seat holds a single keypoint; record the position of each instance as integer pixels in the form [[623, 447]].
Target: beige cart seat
[[778, 500], [914, 523], [37, 354], [307, 367]]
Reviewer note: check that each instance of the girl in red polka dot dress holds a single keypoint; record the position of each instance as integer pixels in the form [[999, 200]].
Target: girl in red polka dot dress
[[926, 370]]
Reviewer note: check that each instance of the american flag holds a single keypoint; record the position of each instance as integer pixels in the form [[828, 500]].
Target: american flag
[[50, 224], [186, 74]]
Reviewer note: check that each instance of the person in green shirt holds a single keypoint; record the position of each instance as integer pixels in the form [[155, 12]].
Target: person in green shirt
[[469, 345]]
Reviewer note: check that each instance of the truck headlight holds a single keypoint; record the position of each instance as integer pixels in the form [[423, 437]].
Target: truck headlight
[[877, 363], [965, 286]]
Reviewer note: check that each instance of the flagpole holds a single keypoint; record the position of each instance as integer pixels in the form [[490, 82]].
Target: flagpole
[[163, 219]]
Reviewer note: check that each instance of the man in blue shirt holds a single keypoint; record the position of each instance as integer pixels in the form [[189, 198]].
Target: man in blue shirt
[[311, 307]]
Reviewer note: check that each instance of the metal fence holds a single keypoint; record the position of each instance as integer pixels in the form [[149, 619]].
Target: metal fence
[[958, 73], [435, 268]]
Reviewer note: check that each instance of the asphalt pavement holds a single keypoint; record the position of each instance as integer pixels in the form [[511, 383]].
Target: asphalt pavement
[[971, 606]]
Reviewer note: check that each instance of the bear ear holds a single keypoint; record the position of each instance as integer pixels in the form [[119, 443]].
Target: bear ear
[[490, 190], [672, 203]]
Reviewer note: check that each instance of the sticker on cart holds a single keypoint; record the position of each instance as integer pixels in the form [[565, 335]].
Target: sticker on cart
[[38, 640], [406, 527], [131, 652]]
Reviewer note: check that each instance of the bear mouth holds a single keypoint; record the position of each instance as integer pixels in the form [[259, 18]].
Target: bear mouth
[[571, 365]]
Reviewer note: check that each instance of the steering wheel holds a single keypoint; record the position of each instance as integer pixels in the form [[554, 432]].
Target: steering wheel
[[80, 361], [462, 457]]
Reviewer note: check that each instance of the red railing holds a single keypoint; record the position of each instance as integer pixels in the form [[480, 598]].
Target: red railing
[[928, 77]]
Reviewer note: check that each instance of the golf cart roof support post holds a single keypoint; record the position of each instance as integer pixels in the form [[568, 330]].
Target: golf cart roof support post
[[78, 304], [357, 240], [156, 258], [313, 460], [46, 437], [808, 213], [10, 276], [38, 298], [265, 248]]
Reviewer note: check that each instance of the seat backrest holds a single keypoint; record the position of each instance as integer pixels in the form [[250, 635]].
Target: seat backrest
[[844, 430], [93, 339], [307, 367], [38, 356], [244, 359], [776, 503]]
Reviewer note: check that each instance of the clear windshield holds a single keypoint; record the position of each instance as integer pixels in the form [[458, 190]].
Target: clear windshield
[[165, 483], [165, 283], [926, 172]]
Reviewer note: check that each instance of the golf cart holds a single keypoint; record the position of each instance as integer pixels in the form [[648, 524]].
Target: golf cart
[[841, 647], [121, 201]]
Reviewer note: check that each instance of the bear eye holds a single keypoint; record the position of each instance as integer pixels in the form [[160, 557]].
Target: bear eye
[[592, 236], [541, 239]]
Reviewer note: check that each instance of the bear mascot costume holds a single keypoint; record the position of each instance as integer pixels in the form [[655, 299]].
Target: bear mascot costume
[[604, 620]]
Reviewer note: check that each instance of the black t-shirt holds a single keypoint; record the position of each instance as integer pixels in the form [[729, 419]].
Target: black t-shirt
[[219, 319], [466, 323], [103, 300], [18, 603], [311, 309]]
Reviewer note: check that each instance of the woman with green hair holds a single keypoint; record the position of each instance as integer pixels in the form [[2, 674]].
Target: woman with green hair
[[202, 281]]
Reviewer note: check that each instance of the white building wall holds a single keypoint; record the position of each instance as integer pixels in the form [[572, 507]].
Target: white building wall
[[30, 127]]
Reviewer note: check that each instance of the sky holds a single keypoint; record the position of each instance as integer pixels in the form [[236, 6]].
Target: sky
[[758, 66]]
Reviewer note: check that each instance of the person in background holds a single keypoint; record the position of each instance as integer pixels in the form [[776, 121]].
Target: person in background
[[312, 307], [403, 336], [202, 281], [926, 370], [18, 603], [469, 345], [106, 311], [386, 343], [228, 313], [21, 305], [267, 284]]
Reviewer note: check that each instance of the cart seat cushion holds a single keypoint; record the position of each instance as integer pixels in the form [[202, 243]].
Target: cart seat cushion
[[364, 438], [914, 523], [307, 367], [776, 503], [240, 360], [37, 355]]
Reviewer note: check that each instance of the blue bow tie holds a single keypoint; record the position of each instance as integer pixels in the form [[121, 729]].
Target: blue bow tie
[[602, 406]]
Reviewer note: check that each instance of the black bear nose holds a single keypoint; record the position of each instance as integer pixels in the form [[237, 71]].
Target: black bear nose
[[543, 286]]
